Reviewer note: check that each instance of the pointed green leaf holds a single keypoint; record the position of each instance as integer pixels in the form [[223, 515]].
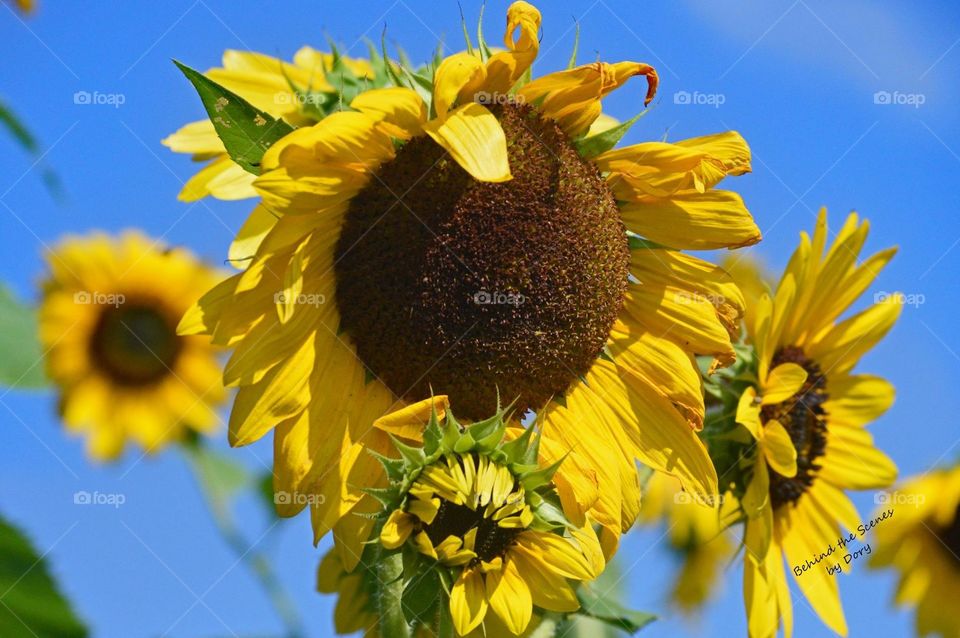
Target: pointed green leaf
[[599, 601], [32, 603], [601, 142], [245, 131]]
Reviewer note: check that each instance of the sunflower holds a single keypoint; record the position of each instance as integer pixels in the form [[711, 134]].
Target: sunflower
[[354, 611], [301, 92], [922, 541], [475, 239], [107, 323], [695, 535], [806, 412]]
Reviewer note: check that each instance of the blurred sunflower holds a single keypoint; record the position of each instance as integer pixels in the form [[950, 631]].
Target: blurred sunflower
[[107, 323], [25, 6], [806, 412], [922, 542], [695, 535], [355, 610], [301, 92], [472, 238]]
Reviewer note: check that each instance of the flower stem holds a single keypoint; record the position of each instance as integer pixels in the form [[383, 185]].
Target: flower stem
[[390, 594]]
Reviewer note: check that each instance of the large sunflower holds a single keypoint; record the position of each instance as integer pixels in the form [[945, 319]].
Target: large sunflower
[[806, 413], [921, 540], [108, 322], [425, 241], [301, 92]]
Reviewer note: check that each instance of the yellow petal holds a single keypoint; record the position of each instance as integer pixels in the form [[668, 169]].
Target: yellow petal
[[198, 138], [399, 107], [759, 598], [396, 530], [783, 382], [757, 496], [572, 97], [505, 67], [778, 449], [458, 79], [692, 220], [852, 462], [748, 412], [409, 421], [548, 589], [856, 400], [475, 140], [509, 597], [841, 348], [260, 222], [468, 601]]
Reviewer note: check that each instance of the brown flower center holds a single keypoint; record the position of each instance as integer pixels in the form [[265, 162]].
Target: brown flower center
[[459, 287], [135, 344], [950, 536], [803, 417]]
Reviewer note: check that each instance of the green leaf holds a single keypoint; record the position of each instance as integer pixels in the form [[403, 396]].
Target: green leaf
[[421, 595], [220, 476], [599, 602], [32, 604], [21, 358], [245, 131], [602, 142]]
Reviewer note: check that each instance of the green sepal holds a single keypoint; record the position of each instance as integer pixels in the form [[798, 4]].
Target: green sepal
[[395, 469], [413, 455], [485, 52], [543, 476], [246, 131], [594, 145], [639, 243]]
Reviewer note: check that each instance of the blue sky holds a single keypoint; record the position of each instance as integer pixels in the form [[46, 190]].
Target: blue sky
[[799, 79]]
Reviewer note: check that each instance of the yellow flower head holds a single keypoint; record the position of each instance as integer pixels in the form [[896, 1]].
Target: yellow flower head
[[108, 322], [300, 92], [806, 414], [475, 237], [921, 540]]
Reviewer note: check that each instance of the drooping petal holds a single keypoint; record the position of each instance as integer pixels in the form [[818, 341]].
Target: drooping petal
[[475, 140], [468, 601], [783, 382], [778, 449], [505, 67], [509, 597]]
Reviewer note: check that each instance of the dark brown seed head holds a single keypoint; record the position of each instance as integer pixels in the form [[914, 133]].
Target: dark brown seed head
[[458, 287], [135, 344], [803, 416]]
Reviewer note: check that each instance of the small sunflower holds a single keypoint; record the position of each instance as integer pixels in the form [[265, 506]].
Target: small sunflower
[[355, 610], [806, 412], [922, 541], [477, 504], [301, 92], [107, 322], [696, 536], [471, 238]]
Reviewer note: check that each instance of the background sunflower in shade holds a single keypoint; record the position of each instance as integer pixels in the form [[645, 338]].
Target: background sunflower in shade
[[107, 322], [300, 92], [462, 233], [922, 542], [804, 412], [696, 536]]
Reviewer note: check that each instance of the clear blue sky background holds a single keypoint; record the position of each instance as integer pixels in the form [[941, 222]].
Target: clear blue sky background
[[798, 80]]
